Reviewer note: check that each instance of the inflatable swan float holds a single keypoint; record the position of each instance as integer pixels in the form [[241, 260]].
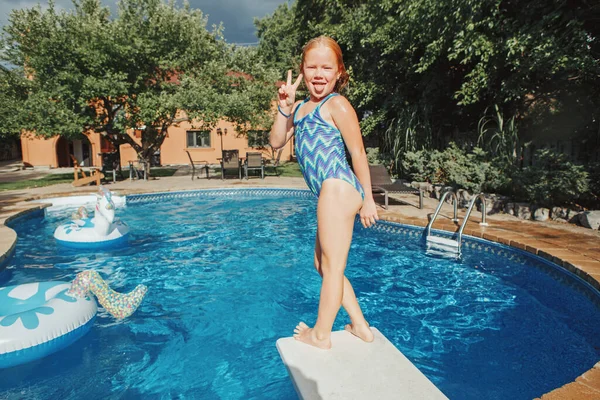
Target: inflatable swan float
[[38, 319], [104, 230]]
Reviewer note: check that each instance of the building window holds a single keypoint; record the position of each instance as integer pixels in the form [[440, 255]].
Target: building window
[[258, 138], [198, 138]]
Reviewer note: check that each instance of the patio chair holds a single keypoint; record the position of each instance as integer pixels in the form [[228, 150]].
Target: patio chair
[[111, 165], [231, 160], [254, 161], [381, 182], [195, 164], [137, 170]]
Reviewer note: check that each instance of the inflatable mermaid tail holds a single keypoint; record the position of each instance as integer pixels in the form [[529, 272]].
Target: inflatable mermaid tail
[[119, 305]]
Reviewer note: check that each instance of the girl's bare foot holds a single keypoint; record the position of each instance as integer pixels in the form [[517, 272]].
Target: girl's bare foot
[[308, 335], [361, 331]]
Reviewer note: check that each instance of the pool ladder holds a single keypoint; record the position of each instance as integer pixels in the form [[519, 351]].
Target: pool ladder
[[452, 245]]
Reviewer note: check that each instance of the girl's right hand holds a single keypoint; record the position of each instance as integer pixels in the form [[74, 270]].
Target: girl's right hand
[[287, 91]]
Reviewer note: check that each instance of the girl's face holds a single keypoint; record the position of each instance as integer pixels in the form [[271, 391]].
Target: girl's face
[[321, 71]]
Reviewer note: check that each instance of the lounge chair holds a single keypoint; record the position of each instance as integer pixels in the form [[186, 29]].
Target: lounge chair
[[94, 175], [193, 164], [381, 182], [137, 170], [254, 161], [231, 160]]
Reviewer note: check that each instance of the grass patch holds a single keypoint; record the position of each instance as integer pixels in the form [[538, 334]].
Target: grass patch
[[55, 179], [161, 172], [286, 169], [50, 179]]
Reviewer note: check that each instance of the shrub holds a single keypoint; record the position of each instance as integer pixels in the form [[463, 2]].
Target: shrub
[[463, 170], [457, 168], [552, 180], [373, 156], [591, 199], [498, 177], [417, 166], [593, 170]]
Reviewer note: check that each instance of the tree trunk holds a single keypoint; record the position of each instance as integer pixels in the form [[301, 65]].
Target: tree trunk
[[145, 161]]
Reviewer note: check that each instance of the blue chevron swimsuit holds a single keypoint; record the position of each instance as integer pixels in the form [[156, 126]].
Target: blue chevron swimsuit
[[320, 150]]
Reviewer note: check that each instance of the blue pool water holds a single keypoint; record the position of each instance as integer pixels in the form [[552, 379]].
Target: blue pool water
[[229, 275]]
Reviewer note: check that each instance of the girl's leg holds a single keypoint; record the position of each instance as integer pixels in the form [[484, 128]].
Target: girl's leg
[[336, 210], [358, 325]]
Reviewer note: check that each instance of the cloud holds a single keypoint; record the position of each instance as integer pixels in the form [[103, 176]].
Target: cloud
[[236, 15]]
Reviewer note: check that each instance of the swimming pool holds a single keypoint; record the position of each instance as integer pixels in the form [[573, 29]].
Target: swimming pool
[[229, 272]]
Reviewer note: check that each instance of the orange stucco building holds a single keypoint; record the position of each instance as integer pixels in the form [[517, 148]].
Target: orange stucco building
[[55, 152], [203, 145]]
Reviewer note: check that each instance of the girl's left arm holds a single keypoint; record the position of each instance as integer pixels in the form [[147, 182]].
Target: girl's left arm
[[345, 119]]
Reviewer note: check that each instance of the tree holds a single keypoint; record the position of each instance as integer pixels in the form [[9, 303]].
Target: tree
[[150, 67], [448, 61], [279, 38], [13, 92]]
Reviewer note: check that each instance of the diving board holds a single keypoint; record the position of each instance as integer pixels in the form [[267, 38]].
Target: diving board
[[353, 369]]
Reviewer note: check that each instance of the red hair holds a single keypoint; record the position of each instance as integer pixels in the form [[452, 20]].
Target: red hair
[[326, 41]]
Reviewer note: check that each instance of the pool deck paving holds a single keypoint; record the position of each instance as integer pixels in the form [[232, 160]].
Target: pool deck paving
[[574, 248]]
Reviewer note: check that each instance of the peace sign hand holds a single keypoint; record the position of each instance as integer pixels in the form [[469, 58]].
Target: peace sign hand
[[287, 91]]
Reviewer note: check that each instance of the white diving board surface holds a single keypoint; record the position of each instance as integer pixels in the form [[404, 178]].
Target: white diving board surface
[[353, 369]]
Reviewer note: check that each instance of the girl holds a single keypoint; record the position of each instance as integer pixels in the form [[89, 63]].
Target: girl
[[323, 123]]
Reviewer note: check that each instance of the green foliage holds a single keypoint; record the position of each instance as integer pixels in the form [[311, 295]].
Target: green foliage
[[450, 60], [151, 65], [593, 170], [592, 198], [13, 91], [425, 71], [373, 156], [250, 90], [499, 177], [455, 167], [552, 180], [279, 42], [417, 166], [499, 137], [405, 133]]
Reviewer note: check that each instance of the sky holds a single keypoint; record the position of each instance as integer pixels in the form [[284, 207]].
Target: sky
[[237, 15]]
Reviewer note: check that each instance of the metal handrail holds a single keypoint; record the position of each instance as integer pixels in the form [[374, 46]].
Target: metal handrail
[[439, 207], [483, 214]]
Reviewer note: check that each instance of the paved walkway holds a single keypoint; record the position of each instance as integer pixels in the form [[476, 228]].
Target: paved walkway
[[574, 248]]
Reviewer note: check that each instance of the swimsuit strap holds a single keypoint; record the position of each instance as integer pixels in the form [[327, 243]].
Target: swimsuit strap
[[330, 95], [318, 107], [297, 108]]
